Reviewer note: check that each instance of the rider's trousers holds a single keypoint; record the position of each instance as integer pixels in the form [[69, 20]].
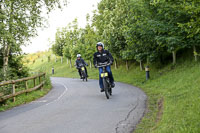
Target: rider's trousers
[[108, 69]]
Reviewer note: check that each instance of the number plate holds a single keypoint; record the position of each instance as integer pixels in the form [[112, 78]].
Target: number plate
[[82, 68], [104, 75]]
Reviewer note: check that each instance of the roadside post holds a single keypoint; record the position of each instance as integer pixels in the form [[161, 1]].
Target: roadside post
[[52, 70], [147, 72]]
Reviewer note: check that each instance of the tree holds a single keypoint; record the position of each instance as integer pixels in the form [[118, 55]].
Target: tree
[[168, 34], [139, 30], [19, 20], [139, 34], [72, 40], [59, 44], [109, 23], [88, 41], [192, 25], [71, 36]]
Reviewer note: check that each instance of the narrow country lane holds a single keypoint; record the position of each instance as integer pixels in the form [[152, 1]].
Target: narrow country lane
[[74, 106]]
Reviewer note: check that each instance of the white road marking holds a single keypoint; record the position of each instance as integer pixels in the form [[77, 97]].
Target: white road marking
[[66, 89], [43, 101]]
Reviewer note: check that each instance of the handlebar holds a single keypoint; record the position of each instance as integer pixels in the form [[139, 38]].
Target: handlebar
[[103, 64], [80, 65]]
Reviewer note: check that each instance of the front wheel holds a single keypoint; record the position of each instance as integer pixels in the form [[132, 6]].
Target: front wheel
[[106, 88], [85, 76], [110, 91], [109, 86]]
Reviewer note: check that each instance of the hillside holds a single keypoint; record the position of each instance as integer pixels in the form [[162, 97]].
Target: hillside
[[173, 91]]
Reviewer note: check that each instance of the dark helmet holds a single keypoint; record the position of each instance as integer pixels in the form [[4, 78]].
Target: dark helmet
[[100, 44]]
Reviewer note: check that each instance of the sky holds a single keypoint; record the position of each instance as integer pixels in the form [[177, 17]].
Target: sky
[[60, 18]]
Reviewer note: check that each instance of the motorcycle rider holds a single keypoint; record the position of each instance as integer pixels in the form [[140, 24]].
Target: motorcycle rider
[[102, 56], [78, 63]]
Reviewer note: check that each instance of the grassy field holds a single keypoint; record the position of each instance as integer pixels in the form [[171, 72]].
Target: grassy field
[[173, 92]]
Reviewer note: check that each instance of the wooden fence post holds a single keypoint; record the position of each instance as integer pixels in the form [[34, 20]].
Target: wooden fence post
[[34, 82], [13, 91], [26, 85], [43, 79], [39, 79], [14, 86], [40, 82]]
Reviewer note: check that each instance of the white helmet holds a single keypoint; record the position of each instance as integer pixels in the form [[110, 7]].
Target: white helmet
[[100, 44], [78, 55]]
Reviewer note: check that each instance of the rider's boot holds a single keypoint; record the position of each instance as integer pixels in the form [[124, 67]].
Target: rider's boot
[[102, 89], [113, 85]]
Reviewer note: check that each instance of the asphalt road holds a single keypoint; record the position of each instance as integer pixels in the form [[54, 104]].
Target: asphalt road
[[74, 106]]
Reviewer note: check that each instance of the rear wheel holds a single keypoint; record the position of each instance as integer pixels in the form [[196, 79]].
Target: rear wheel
[[105, 84]]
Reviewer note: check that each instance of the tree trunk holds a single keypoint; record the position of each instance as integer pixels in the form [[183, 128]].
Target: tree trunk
[[127, 65], [55, 59], [6, 46], [195, 53], [67, 61], [174, 57], [90, 64], [115, 63], [49, 58], [147, 60], [70, 63], [6, 50], [61, 59], [141, 66]]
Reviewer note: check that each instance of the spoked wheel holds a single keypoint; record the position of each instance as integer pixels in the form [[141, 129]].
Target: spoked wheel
[[82, 75], [110, 91], [85, 76], [106, 88]]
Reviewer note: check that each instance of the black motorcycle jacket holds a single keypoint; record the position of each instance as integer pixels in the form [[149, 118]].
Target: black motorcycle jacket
[[79, 62], [102, 57]]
